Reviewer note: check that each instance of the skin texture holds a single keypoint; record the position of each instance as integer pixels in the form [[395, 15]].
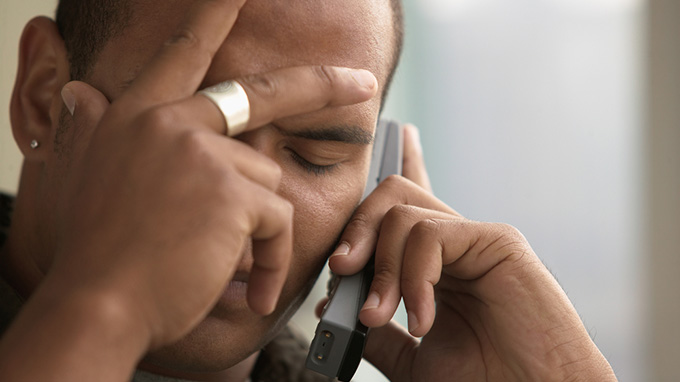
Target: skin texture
[[128, 230], [258, 42]]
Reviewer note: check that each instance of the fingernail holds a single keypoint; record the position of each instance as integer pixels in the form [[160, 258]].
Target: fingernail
[[69, 99], [341, 250], [364, 78], [412, 322], [372, 301]]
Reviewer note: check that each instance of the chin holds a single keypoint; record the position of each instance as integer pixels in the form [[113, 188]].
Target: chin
[[216, 344], [228, 335]]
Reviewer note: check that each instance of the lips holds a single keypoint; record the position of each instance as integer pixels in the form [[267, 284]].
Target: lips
[[241, 276], [232, 305], [234, 295], [233, 299]]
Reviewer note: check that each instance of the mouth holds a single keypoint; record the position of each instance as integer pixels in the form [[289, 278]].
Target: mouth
[[234, 295]]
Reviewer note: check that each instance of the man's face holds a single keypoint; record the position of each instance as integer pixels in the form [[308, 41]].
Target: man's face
[[271, 34]]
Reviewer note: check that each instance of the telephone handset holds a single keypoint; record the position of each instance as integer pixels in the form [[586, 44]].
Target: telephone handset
[[338, 345]]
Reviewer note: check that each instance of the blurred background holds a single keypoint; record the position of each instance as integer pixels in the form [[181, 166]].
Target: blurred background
[[560, 117]]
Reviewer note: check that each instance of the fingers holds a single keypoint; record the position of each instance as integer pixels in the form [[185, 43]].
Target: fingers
[[272, 250], [304, 89], [422, 271], [318, 309], [86, 105], [414, 163], [387, 288], [360, 236], [250, 163], [382, 225], [416, 245], [267, 217], [390, 349], [291, 91], [89, 102], [462, 250], [255, 166], [282, 93], [187, 55]]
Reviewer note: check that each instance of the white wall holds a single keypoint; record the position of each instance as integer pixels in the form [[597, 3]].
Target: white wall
[[531, 114]]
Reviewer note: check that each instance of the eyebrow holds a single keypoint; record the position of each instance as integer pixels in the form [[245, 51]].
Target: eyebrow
[[346, 134]]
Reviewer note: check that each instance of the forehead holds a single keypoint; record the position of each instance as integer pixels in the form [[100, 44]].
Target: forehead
[[268, 34], [350, 33]]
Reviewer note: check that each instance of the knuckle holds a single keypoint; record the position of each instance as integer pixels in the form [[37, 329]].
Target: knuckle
[[386, 266], [508, 231], [393, 179], [361, 222], [266, 86], [399, 212], [191, 143], [325, 75], [394, 182], [510, 241], [425, 229], [186, 39], [399, 217], [381, 281], [192, 147], [394, 188], [156, 121], [156, 117], [182, 37]]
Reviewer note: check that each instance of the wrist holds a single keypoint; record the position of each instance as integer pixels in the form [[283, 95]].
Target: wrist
[[69, 332], [101, 309]]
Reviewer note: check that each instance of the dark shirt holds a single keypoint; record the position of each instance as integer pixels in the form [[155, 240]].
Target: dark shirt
[[283, 359]]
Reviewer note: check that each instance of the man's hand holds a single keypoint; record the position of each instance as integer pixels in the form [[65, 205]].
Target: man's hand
[[161, 204], [499, 313], [158, 205]]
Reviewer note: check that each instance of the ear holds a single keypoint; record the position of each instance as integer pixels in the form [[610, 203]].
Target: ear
[[36, 104]]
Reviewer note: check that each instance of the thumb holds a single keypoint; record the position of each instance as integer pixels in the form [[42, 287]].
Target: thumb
[[414, 163], [86, 105], [391, 348]]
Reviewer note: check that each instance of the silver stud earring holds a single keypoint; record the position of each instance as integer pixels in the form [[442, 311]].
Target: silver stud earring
[[34, 144]]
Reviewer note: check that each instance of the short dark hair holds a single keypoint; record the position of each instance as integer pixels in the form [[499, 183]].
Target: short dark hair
[[87, 25]]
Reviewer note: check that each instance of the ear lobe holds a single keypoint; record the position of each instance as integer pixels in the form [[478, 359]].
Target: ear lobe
[[42, 71]]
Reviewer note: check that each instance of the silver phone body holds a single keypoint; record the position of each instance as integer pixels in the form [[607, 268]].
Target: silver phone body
[[338, 344]]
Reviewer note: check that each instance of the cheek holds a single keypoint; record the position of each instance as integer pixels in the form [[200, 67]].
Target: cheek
[[322, 208]]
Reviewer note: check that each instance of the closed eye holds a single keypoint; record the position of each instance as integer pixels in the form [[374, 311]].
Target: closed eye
[[310, 167]]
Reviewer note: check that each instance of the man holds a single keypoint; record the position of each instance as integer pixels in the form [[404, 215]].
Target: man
[[147, 238]]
